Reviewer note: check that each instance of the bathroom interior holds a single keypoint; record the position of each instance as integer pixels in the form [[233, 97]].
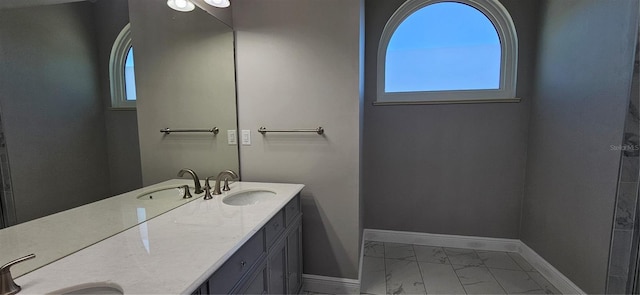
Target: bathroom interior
[[549, 176]]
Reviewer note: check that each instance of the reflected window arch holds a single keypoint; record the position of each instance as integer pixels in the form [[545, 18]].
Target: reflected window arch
[[435, 51], [121, 71]]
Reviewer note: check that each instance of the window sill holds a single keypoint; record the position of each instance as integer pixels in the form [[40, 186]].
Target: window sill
[[122, 108], [449, 101]]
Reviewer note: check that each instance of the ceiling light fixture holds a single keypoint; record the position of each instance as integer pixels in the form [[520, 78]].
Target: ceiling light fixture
[[218, 3], [181, 5]]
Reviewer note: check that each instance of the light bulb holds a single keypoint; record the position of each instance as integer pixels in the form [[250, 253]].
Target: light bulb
[[181, 5], [218, 3]]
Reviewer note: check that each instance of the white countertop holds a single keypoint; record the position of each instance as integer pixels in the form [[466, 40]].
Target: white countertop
[[172, 253], [57, 235]]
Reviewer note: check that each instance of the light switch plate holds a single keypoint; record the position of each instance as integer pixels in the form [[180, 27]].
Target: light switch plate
[[246, 137], [232, 137]]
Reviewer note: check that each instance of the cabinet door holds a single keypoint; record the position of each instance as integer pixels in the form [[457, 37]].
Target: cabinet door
[[202, 290], [276, 265], [257, 282], [294, 259]]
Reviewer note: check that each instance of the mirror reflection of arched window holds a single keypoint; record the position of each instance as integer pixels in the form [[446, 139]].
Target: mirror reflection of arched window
[[121, 71], [129, 76]]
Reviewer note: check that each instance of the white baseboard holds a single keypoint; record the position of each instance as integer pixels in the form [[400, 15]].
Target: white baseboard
[[438, 240], [329, 285], [554, 276], [561, 282]]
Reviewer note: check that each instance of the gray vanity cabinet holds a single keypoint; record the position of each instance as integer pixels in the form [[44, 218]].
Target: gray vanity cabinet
[[284, 263], [203, 289], [294, 258], [269, 262], [257, 283], [277, 267], [236, 268]]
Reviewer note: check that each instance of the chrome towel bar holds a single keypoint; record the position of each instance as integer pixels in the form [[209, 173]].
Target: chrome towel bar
[[213, 130], [318, 130]]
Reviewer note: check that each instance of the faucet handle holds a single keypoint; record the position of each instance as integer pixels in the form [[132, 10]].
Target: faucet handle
[[7, 285], [226, 184], [207, 193], [207, 189], [206, 181], [187, 194]]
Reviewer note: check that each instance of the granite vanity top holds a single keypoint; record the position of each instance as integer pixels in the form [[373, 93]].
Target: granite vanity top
[[172, 253], [57, 235]]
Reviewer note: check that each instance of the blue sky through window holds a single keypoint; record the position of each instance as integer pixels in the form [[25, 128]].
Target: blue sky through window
[[129, 77], [443, 46]]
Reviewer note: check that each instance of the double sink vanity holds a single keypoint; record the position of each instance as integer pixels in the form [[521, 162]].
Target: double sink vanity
[[152, 241]]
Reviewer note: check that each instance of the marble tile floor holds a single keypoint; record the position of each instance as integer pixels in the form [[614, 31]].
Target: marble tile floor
[[391, 268]]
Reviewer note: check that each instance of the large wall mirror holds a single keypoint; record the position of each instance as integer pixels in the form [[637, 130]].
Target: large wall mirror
[[64, 145]]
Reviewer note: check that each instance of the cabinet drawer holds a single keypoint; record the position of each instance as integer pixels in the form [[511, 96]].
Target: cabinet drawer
[[237, 266], [274, 228], [292, 209]]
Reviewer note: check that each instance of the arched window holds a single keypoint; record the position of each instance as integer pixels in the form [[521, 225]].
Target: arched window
[[121, 71], [434, 51]]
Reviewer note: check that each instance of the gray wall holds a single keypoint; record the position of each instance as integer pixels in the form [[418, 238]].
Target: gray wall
[[123, 149], [298, 67], [51, 109], [184, 79], [582, 93], [448, 169]]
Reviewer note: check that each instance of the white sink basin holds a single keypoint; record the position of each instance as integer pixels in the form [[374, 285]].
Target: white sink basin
[[96, 291], [247, 198], [167, 193], [91, 289]]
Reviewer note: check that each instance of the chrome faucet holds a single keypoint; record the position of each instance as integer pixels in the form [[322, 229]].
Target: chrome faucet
[[7, 285], [198, 188], [224, 175]]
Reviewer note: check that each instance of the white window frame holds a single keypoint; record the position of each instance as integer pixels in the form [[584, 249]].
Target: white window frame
[[505, 28], [116, 70]]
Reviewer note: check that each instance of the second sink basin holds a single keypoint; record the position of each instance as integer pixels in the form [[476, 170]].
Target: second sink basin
[[91, 289], [250, 197], [168, 193]]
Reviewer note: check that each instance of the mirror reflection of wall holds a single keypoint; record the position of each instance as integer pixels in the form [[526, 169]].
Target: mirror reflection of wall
[[185, 77], [65, 148], [65, 143]]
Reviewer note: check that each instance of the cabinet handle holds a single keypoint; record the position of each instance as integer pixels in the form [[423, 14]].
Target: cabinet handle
[[243, 263]]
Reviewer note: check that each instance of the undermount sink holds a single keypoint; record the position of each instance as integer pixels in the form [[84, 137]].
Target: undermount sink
[[250, 197], [91, 289], [167, 193]]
